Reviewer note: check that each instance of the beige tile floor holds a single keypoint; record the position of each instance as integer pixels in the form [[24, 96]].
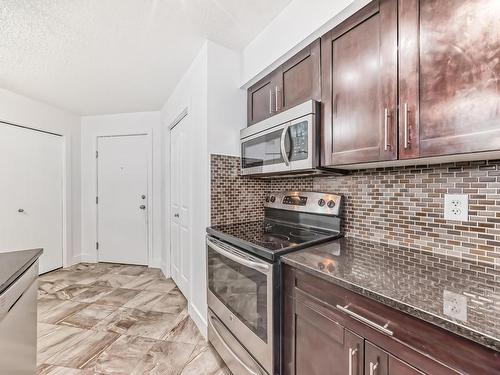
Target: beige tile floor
[[118, 319]]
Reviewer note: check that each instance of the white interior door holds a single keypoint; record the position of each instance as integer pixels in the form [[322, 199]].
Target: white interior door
[[31, 193], [180, 206], [122, 206]]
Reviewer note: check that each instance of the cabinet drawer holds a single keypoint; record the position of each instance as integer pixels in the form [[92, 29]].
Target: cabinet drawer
[[412, 340]]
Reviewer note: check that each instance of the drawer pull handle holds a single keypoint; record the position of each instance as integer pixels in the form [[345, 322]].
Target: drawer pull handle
[[373, 368], [368, 322]]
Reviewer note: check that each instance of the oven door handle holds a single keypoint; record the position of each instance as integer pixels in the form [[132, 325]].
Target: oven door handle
[[213, 322], [238, 259], [282, 144]]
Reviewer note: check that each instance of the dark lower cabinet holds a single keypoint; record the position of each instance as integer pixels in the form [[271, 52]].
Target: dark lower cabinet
[[379, 362], [323, 346], [322, 336]]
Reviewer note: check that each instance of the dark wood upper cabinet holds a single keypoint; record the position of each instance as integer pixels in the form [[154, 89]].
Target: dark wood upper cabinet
[[260, 100], [294, 82], [449, 68], [300, 77], [359, 93]]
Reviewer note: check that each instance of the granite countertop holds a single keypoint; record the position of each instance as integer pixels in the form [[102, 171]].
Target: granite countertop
[[412, 281], [14, 263]]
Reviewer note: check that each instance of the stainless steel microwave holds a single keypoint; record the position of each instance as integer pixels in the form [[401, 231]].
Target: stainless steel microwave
[[287, 143]]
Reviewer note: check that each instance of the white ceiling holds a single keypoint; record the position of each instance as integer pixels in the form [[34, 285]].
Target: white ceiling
[[111, 56]]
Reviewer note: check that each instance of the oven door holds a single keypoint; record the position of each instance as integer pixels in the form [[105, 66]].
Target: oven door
[[240, 293]]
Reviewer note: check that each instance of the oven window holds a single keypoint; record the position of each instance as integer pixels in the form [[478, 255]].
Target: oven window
[[263, 150], [242, 289]]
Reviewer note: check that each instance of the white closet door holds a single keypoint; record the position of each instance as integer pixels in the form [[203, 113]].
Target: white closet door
[[180, 206], [31, 193]]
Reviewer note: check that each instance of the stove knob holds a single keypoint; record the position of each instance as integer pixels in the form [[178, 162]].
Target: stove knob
[[267, 198], [321, 202], [273, 198], [331, 204]]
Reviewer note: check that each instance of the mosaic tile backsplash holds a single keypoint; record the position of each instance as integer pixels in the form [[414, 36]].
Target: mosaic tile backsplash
[[396, 205]]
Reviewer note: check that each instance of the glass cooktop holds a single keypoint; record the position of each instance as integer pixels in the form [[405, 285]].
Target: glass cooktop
[[270, 238]]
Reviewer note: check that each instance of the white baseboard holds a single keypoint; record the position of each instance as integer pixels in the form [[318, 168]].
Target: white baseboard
[[155, 263], [199, 319], [165, 270], [88, 258], [76, 259]]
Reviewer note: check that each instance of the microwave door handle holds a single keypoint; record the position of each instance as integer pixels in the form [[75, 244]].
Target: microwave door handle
[[283, 148], [234, 257]]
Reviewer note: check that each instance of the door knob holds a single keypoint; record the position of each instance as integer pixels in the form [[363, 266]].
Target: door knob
[[21, 210], [143, 196], [142, 207]]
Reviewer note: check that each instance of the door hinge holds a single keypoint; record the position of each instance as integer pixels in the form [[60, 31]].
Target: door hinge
[[96, 154], [96, 200], [97, 245]]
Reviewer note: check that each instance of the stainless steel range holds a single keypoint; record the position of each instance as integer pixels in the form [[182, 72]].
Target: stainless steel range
[[244, 275]]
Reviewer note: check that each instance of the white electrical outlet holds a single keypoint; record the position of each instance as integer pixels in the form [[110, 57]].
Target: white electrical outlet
[[456, 207], [455, 305]]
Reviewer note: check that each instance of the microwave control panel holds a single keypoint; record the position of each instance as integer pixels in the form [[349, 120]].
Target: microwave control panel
[[299, 139]]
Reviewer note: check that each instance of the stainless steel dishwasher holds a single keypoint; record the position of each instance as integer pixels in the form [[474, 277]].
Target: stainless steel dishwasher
[[18, 325]]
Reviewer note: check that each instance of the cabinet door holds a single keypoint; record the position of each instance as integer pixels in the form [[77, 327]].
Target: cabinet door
[[449, 77], [397, 367], [359, 73], [261, 102], [299, 78], [315, 344], [379, 362]]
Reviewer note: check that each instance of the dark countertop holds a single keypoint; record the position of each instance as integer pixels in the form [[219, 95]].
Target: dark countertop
[[412, 281], [14, 263]]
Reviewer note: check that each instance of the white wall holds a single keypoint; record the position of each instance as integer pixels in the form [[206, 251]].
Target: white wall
[[209, 90], [20, 110], [301, 22], [126, 123], [227, 103], [191, 93]]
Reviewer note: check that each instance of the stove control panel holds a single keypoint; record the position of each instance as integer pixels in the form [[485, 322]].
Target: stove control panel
[[310, 202]]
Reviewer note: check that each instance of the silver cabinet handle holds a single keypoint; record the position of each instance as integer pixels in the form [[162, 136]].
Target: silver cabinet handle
[[352, 353], [386, 126], [237, 258], [373, 368], [282, 143], [142, 207], [368, 322], [270, 102], [21, 210], [276, 91], [176, 215], [405, 109]]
